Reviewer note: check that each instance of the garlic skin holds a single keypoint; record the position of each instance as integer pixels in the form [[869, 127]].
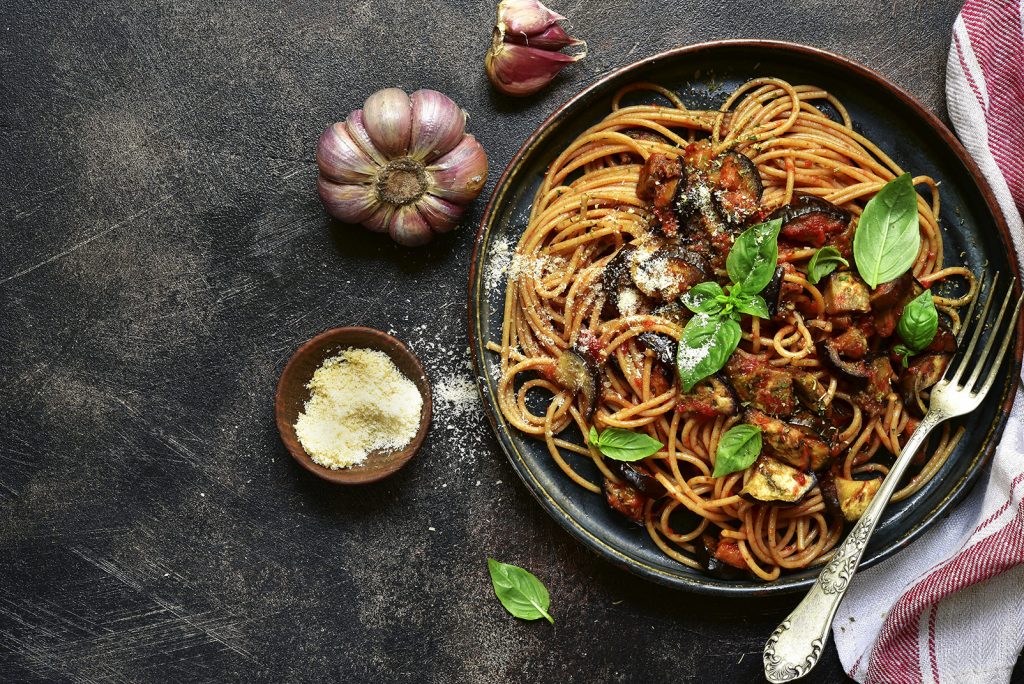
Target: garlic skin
[[402, 165], [524, 54]]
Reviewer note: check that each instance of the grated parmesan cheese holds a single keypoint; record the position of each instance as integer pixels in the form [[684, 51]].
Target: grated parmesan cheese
[[360, 402]]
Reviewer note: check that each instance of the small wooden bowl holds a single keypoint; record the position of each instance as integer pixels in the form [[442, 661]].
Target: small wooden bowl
[[292, 396]]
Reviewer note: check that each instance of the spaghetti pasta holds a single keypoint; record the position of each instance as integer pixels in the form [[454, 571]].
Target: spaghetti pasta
[[589, 208]]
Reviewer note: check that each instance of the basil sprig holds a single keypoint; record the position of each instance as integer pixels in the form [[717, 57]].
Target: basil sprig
[[917, 326], [823, 262], [624, 445], [712, 335], [519, 591], [888, 238], [737, 449]]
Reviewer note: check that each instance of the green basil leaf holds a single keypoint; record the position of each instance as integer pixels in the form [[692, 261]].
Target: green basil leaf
[[625, 445], [752, 305], [888, 236], [752, 259], [919, 322], [824, 261], [706, 344], [704, 298], [737, 449], [519, 591]]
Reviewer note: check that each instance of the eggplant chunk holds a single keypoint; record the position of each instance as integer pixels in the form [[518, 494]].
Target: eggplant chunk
[[621, 296], [889, 299], [811, 392], [810, 220], [658, 179], [625, 499], [944, 340], [760, 384], [663, 346], [719, 564], [579, 375], [709, 398], [875, 393], [846, 292], [776, 482], [637, 478], [852, 343], [772, 293], [855, 371], [799, 445], [854, 496], [736, 186], [923, 372], [667, 272]]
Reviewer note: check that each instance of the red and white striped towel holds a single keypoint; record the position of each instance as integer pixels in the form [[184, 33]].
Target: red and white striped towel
[[950, 608]]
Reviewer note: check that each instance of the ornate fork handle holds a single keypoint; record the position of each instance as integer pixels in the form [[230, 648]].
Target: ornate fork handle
[[796, 644]]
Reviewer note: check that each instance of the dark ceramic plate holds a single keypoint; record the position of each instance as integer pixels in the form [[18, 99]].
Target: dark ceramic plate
[[703, 75]]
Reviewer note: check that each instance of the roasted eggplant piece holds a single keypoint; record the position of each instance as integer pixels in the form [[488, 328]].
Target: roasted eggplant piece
[[658, 179], [944, 341], [846, 292], [924, 371], [852, 343], [667, 272], [879, 376], [621, 296], [578, 374], [736, 186], [722, 565], [890, 298], [626, 499], [663, 346], [810, 220], [855, 371], [796, 443], [761, 385], [776, 482], [811, 392], [772, 293], [849, 498], [637, 478], [696, 209], [711, 397]]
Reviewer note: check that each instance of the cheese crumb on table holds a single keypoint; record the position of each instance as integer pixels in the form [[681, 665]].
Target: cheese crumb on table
[[359, 403]]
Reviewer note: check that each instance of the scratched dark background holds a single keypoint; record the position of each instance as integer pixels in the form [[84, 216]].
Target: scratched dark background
[[163, 254]]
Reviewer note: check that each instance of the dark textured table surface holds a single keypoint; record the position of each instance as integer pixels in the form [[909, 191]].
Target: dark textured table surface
[[163, 254]]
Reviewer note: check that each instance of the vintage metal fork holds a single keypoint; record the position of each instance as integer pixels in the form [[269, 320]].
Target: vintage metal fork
[[795, 646]]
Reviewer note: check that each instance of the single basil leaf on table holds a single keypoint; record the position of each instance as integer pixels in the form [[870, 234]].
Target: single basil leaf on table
[[706, 344], [737, 449], [519, 591], [703, 298], [752, 305], [624, 445], [919, 322], [751, 261], [888, 235], [823, 262]]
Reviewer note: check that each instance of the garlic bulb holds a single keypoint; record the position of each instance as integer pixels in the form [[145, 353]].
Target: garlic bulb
[[524, 55], [403, 164]]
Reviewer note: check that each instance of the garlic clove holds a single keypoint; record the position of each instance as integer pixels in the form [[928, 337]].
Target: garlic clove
[[437, 125], [525, 17], [442, 215], [387, 116], [408, 227], [519, 70], [459, 176], [340, 159], [347, 202], [554, 37], [380, 219], [357, 131]]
